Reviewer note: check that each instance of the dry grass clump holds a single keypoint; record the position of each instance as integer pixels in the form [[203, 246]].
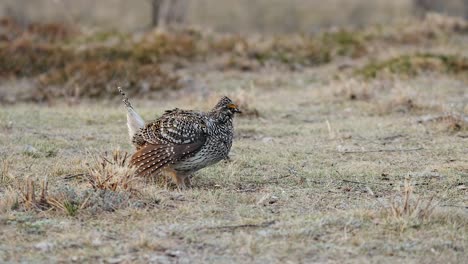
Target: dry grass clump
[[9, 200], [406, 209], [112, 184], [110, 172], [29, 197], [5, 176], [63, 203], [414, 64]]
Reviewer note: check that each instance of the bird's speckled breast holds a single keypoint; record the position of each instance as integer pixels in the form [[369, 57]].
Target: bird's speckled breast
[[216, 148], [209, 154]]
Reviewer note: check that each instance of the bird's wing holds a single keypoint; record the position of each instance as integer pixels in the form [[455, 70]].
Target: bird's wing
[[172, 137]]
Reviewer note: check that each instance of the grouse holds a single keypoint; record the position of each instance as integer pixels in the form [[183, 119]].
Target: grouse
[[181, 142]]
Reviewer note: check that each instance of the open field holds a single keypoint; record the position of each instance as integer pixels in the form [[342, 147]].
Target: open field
[[266, 16], [272, 16], [359, 158]]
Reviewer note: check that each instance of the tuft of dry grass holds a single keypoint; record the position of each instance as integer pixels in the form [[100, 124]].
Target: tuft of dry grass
[[27, 194], [406, 207], [112, 184], [9, 200], [111, 172], [65, 205], [5, 176]]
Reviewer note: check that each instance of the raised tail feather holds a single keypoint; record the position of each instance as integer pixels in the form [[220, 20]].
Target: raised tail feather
[[134, 120]]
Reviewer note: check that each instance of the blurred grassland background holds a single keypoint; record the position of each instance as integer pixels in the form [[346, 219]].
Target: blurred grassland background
[[267, 16]]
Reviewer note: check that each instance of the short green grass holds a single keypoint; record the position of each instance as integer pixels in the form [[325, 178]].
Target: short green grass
[[312, 179]]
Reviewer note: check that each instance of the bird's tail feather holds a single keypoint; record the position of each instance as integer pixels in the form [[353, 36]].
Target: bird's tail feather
[[134, 120], [125, 99]]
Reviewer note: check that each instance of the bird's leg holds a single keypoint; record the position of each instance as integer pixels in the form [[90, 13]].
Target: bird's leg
[[188, 180], [177, 177]]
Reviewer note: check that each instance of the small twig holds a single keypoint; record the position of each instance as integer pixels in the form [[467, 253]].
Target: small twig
[[369, 190], [389, 138], [247, 190], [356, 182], [331, 133], [379, 150], [82, 206], [234, 227], [362, 183], [108, 161], [71, 176], [455, 206]]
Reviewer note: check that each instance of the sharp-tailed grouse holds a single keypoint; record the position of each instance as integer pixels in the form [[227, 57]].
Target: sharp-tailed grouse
[[181, 142]]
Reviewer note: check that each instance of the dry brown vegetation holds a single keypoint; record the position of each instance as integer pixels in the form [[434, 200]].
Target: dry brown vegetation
[[64, 63], [352, 147]]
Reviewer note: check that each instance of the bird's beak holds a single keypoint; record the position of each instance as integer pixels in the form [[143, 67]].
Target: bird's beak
[[237, 110], [234, 108]]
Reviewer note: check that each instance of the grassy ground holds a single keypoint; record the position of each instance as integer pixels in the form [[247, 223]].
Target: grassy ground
[[314, 178], [358, 159]]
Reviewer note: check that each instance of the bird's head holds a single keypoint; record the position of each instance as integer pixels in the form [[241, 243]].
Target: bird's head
[[226, 107]]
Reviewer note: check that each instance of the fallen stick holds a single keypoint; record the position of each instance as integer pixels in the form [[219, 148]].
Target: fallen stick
[[71, 176], [363, 183], [234, 227], [378, 150]]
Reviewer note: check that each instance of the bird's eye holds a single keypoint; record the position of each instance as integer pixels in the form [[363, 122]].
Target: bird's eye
[[232, 106]]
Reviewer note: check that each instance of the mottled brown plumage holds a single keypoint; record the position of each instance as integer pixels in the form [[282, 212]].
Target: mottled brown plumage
[[181, 142]]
